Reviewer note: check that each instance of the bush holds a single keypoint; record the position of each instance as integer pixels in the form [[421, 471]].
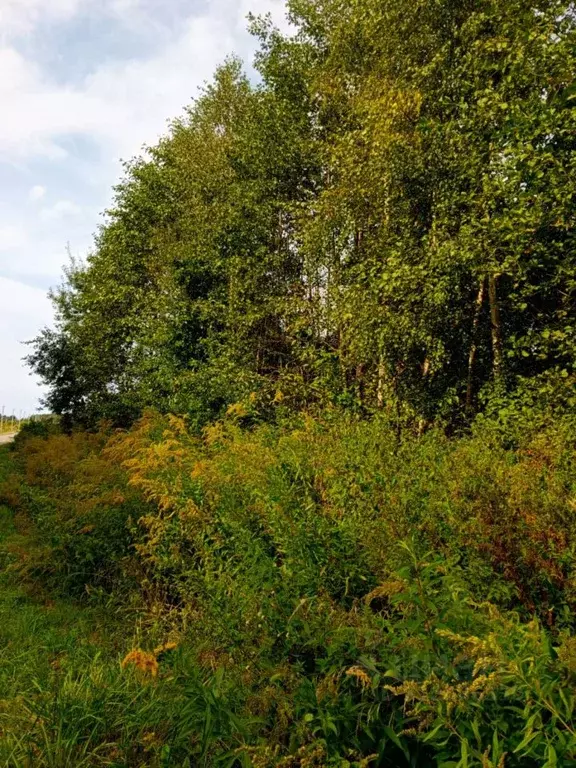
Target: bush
[[80, 504], [37, 428], [341, 596]]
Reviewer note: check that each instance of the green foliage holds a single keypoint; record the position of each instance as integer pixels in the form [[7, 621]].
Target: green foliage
[[39, 427], [384, 222], [79, 544], [316, 593]]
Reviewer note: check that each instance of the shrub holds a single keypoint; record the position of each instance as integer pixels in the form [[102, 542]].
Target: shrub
[[37, 428], [342, 596], [80, 504]]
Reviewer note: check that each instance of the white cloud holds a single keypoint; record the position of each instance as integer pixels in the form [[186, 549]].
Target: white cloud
[[36, 113], [23, 311], [11, 238], [20, 16], [60, 210], [122, 104], [18, 73], [37, 193]]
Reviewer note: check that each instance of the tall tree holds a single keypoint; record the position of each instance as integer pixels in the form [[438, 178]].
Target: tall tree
[[385, 221]]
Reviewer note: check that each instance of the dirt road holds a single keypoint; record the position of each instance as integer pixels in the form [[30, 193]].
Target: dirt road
[[7, 438]]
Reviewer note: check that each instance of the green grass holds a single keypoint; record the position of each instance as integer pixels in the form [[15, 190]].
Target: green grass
[[64, 699], [43, 646], [337, 599]]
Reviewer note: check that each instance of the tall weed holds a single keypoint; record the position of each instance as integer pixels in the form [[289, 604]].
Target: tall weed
[[338, 594]]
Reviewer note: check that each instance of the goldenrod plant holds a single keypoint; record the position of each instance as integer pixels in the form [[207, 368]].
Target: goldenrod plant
[[310, 594]]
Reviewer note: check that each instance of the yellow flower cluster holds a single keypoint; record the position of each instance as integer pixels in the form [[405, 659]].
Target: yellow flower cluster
[[453, 695], [361, 675], [147, 662]]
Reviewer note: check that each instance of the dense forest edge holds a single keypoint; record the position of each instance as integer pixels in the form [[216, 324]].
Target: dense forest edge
[[310, 496]]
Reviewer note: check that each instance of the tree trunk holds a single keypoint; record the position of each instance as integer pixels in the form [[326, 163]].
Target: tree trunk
[[360, 383], [422, 422], [474, 345], [497, 353], [380, 389]]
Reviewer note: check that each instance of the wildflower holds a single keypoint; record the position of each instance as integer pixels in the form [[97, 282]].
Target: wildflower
[[165, 648], [145, 662], [388, 589], [237, 410], [151, 741], [360, 675], [567, 653]]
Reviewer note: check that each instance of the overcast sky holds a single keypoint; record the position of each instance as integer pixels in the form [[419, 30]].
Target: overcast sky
[[83, 84]]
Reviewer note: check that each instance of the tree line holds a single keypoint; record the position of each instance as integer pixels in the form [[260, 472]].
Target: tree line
[[384, 221]]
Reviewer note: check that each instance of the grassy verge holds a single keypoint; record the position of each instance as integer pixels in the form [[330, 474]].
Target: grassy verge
[[319, 596], [46, 645], [65, 699], [98, 685]]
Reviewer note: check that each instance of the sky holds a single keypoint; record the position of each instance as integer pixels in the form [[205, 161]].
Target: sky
[[83, 85]]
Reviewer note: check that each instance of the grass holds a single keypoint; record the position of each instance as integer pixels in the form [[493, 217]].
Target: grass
[[9, 426], [64, 697], [318, 597], [44, 644]]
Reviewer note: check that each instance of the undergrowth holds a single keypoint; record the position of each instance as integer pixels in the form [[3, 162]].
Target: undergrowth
[[318, 594]]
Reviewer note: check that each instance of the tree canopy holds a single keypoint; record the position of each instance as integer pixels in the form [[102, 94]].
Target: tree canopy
[[384, 221]]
